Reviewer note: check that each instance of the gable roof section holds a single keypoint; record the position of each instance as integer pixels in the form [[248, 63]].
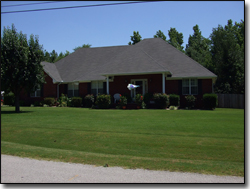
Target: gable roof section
[[152, 55], [52, 71]]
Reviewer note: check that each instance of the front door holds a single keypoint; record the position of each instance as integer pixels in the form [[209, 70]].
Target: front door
[[139, 90]]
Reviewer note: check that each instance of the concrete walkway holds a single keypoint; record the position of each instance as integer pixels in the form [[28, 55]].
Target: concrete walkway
[[24, 170]]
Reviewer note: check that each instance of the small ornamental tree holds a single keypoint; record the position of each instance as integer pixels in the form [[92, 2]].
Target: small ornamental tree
[[20, 63]]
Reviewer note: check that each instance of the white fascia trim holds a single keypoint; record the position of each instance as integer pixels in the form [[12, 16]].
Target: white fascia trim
[[136, 73], [202, 77]]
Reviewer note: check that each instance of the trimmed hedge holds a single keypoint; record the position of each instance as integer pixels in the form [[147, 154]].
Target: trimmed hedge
[[161, 100], [76, 101], [49, 101], [103, 101], [174, 100], [89, 100], [210, 101]]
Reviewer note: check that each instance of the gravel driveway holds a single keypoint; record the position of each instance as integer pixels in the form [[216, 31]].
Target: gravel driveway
[[25, 170]]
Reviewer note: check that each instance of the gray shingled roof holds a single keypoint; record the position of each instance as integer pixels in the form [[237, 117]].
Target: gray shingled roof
[[52, 71], [152, 55]]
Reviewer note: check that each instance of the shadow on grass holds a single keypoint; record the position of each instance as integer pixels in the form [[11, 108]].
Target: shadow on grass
[[13, 112]]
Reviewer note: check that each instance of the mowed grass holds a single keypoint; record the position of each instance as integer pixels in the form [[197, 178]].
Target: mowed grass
[[207, 142]]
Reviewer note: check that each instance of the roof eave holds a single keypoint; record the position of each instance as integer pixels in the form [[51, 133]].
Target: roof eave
[[135, 73]]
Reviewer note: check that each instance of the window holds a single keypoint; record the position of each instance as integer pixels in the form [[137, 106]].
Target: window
[[73, 89], [36, 93], [190, 86], [96, 87]]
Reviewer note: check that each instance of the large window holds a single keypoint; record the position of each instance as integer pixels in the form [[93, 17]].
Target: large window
[[97, 87], [190, 86], [73, 89], [36, 93]]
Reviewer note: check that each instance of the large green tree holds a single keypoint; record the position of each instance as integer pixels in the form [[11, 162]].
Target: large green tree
[[175, 39], [198, 48], [135, 38], [228, 57], [20, 63]]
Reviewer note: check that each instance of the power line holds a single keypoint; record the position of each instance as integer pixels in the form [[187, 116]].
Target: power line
[[75, 7], [33, 3]]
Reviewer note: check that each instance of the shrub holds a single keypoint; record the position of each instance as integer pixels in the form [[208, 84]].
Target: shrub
[[37, 103], [210, 101], [173, 107], [63, 100], [76, 101], [103, 101], [190, 101], [123, 101], [49, 101], [174, 100], [161, 100], [89, 100], [9, 99], [147, 97], [129, 99], [139, 99]]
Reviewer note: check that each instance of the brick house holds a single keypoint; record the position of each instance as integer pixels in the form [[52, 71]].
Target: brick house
[[155, 65]]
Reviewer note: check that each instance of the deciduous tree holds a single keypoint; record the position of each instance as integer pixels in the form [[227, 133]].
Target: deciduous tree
[[20, 63]]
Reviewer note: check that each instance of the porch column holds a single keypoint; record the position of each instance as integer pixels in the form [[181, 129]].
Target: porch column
[[107, 84], [163, 82]]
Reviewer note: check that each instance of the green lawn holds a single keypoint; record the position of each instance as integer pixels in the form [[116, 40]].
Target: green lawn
[[208, 142]]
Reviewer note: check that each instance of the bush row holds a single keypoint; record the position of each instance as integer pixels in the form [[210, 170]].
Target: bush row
[[161, 101]]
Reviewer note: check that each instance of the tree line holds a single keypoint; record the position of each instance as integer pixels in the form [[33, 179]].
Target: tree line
[[222, 53]]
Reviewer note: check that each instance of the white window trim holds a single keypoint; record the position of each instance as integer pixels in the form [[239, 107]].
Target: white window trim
[[98, 83], [35, 93], [74, 87], [190, 86]]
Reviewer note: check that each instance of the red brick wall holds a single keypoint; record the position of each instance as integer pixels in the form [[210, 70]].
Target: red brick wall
[[83, 89], [119, 85], [206, 88], [49, 89], [171, 87]]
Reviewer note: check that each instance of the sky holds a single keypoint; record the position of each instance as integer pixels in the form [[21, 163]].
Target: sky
[[65, 29]]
